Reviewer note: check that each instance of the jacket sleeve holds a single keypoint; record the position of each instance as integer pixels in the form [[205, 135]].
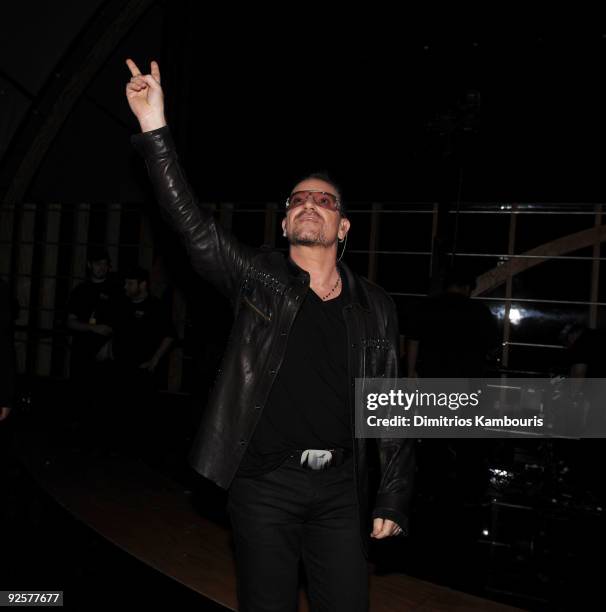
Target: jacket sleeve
[[214, 253], [396, 455]]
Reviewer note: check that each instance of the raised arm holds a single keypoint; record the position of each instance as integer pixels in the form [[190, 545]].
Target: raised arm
[[214, 253]]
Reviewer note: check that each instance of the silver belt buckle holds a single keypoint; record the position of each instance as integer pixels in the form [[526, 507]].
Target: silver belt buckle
[[316, 459]]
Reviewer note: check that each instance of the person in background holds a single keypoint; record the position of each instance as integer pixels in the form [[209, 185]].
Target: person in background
[[451, 334], [91, 310]]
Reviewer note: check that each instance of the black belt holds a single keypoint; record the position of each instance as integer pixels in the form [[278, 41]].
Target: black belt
[[319, 459]]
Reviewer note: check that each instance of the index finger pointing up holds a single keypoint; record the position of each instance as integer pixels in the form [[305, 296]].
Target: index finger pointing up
[[133, 67], [155, 70]]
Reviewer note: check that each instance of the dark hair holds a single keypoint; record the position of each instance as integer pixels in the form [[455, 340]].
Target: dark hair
[[141, 274], [324, 176], [459, 276], [572, 328], [97, 254]]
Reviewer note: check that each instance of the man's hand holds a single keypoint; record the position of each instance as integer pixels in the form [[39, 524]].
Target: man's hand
[[102, 330], [150, 365], [384, 528], [145, 96], [4, 412]]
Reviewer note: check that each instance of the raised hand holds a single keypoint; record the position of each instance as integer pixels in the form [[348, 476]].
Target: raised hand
[[145, 96]]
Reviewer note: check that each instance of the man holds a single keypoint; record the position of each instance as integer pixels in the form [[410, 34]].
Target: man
[[90, 312], [585, 354], [144, 331], [278, 429], [451, 334], [90, 308], [585, 358]]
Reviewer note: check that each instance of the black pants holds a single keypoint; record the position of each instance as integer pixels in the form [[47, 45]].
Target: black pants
[[293, 514]]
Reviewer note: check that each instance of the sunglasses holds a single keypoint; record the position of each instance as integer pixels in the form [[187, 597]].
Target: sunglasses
[[323, 199]]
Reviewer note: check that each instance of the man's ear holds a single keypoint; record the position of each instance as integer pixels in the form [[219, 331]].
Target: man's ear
[[344, 226]]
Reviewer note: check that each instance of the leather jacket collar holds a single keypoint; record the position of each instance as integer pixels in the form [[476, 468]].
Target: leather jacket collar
[[357, 295]]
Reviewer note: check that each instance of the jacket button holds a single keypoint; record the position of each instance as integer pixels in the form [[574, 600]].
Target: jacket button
[[242, 442], [257, 407], [283, 333]]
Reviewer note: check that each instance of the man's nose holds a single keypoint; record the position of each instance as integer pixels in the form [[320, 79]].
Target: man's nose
[[309, 203]]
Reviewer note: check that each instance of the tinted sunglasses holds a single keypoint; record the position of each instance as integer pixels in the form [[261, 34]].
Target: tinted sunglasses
[[323, 199]]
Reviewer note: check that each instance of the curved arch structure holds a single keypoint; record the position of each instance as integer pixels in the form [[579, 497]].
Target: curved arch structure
[[50, 110], [561, 246]]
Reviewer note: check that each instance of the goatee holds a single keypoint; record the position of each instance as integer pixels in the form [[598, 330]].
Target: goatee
[[297, 239]]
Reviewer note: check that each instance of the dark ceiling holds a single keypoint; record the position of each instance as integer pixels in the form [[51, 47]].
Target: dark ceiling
[[395, 109]]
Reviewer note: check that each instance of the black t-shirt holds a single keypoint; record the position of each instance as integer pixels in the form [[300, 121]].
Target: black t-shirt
[[454, 333], [308, 403], [95, 303], [139, 329], [590, 349]]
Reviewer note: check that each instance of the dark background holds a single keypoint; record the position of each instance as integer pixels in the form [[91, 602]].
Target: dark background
[[392, 103]]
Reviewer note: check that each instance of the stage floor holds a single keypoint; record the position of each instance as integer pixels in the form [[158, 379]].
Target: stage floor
[[178, 531]]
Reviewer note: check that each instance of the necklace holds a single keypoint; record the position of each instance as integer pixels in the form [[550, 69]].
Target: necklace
[[333, 289]]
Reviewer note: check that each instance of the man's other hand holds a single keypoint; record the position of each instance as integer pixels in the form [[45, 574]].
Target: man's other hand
[[384, 528], [102, 330]]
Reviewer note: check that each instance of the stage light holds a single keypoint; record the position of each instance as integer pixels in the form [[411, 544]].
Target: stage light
[[515, 316]]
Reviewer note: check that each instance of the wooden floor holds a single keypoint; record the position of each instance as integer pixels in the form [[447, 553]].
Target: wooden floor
[[152, 518]]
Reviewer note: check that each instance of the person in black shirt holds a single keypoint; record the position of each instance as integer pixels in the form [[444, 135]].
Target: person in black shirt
[[585, 356], [91, 311], [279, 406], [451, 335], [586, 348], [144, 331]]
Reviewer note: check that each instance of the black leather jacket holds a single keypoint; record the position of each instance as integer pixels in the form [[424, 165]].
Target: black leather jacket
[[266, 290]]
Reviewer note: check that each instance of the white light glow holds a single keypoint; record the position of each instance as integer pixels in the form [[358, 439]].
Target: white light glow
[[515, 316]]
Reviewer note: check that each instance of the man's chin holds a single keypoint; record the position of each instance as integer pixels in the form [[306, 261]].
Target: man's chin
[[304, 239]]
